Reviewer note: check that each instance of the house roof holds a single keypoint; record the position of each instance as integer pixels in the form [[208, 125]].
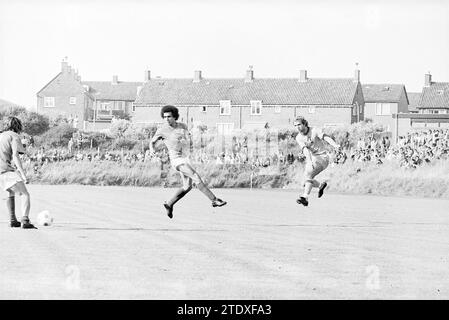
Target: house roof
[[413, 98], [105, 90], [382, 92], [435, 96], [314, 91], [48, 83]]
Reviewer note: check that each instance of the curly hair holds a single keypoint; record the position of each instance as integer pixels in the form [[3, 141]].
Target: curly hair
[[174, 111], [13, 124]]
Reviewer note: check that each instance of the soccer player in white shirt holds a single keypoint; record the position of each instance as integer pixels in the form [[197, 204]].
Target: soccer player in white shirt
[[312, 143]]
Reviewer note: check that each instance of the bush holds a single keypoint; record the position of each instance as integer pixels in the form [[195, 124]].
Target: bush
[[137, 132], [97, 139], [119, 127], [350, 134], [59, 120], [124, 143], [58, 136], [33, 122]]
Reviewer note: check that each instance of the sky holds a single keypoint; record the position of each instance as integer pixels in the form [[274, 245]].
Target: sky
[[394, 42]]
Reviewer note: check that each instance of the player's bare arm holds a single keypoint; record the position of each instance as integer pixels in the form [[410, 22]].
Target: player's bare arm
[[153, 142], [331, 141]]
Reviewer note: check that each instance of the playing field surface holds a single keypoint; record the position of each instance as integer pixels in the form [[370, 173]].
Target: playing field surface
[[118, 243]]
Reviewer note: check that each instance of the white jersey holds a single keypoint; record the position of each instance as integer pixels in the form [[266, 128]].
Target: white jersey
[[176, 139], [313, 141]]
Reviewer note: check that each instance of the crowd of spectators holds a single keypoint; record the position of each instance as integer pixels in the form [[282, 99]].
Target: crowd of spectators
[[412, 150], [417, 148]]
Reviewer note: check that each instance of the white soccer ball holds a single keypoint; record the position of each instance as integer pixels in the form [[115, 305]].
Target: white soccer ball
[[44, 218]]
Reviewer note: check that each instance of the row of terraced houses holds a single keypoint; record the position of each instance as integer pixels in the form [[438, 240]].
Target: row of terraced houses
[[247, 102]]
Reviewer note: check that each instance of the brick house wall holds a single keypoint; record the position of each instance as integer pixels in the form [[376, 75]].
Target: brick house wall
[[64, 86], [386, 120], [275, 115], [241, 115]]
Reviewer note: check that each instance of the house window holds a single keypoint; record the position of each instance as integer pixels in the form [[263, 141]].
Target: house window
[[72, 100], [225, 107], [105, 106], [203, 109], [361, 109], [133, 107], [354, 110], [119, 105], [49, 102], [277, 109], [383, 109], [312, 109], [436, 111], [256, 107], [225, 128]]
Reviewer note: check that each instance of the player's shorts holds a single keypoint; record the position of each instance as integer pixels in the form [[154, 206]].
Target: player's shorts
[[321, 163], [178, 161], [9, 179]]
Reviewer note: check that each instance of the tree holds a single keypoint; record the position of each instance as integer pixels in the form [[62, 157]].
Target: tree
[[33, 122]]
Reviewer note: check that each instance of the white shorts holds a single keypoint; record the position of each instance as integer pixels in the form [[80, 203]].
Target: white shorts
[[9, 179], [178, 161], [321, 163]]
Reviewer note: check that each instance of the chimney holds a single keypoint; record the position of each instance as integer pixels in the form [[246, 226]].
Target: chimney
[[357, 73], [114, 79], [302, 75], [197, 76], [64, 66], [249, 74], [77, 76], [427, 79], [147, 75]]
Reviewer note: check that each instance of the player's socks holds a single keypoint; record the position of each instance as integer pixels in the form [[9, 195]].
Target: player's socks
[[11, 205], [202, 187], [178, 195]]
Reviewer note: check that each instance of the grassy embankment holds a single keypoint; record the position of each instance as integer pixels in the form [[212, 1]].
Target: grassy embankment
[[431, 180]]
